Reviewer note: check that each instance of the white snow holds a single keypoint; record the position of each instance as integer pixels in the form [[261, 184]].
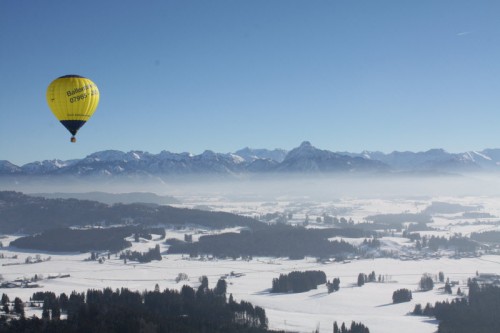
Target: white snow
[[482, 155], [370, 304], [303, 312], [236, 158]]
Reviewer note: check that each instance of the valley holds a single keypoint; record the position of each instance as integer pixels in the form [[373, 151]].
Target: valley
[[396, 261]]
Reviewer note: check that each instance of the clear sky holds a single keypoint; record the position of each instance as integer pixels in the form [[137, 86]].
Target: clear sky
[[222, 75]]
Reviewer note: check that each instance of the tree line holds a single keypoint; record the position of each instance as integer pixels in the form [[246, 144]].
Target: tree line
[[29, 214], [477, 313], [122, 310], [354, 328], [142, 257], [486, 236], [77, 240], [297, 282], [434, 243], [275, 241], [363, 278]]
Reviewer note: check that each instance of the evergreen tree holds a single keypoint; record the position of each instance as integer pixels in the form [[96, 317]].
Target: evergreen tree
[[336, 284], [428, 310], [447, 288], [361, 279], [204, 282], [188, 294], [426, 283], [358, 328], [45, 310], [56, 311], [203, 286], [5, 299], [19, 306], [157, 253], [401, 295], [221, 287], [63, 302]]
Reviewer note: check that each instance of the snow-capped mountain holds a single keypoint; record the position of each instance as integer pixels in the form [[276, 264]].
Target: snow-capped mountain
[[249, 154], [488, 159], [8, 168], [307, 158], [45, 167], [431, 160], [116, 155], [304, 159]]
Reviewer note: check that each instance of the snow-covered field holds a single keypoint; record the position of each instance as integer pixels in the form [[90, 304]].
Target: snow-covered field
[[370, 304]]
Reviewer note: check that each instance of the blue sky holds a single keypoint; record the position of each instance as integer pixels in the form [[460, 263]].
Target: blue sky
[[223, 75]]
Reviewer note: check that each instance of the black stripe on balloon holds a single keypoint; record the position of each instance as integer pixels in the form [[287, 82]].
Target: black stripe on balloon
[[70, 76], [73, 125]]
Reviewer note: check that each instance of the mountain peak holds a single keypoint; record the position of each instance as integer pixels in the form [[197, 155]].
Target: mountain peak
[[305, 150]]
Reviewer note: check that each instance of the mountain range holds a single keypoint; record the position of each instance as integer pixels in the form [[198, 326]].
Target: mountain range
[[304, 159]]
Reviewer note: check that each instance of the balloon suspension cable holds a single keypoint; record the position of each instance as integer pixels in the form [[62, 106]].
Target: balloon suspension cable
[[73, 139]]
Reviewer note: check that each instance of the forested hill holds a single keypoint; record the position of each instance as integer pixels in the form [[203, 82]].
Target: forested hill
[[28, 214]]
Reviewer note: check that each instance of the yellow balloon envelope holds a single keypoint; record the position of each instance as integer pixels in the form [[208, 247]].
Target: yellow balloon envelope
[[72, 99]]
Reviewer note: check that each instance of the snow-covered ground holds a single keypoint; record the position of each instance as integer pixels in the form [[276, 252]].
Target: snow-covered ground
[[370, 304]]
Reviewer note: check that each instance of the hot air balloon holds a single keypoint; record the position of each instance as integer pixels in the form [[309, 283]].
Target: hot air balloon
[[72, 99]]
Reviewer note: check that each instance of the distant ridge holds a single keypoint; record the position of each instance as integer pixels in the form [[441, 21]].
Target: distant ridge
[[21, 213], [304, 159], [113, 198]]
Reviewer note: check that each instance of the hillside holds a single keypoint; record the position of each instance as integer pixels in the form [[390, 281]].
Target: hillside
[[29, 214], [113, 198]]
